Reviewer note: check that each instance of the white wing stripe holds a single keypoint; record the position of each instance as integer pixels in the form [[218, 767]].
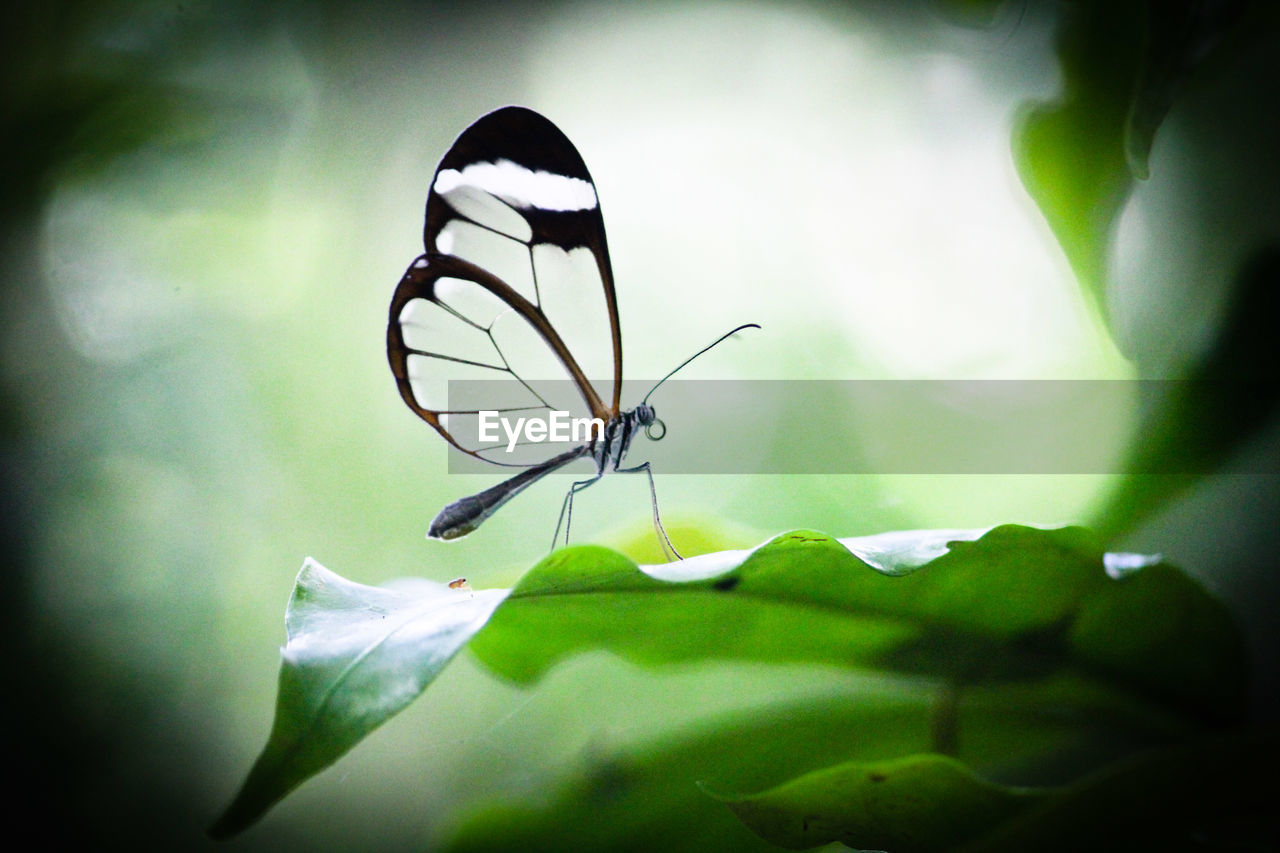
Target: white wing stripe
[[519, 186]]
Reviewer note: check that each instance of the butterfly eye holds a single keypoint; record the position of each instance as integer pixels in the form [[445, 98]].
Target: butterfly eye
[[655, 430]]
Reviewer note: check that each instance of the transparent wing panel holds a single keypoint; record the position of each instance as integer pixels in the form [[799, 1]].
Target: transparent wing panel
[[466, 352], [535, 362], [484, 209], [429, 377], [431, 328], [502, 256], [470, 301], [573, 300]]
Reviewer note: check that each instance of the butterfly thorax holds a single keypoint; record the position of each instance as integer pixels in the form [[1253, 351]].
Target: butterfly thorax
[[609, 451]]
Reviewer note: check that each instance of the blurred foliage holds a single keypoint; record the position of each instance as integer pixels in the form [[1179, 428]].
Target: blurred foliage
[[75, 99], [1123, 67], [1231, 397], [69, 106]]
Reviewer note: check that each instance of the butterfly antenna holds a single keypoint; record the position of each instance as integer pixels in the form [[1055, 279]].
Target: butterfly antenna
[[718, 340]]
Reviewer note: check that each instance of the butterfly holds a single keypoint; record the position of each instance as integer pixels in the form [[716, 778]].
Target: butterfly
[[513, 237]]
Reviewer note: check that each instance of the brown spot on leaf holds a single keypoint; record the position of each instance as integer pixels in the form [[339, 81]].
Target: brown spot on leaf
[[727, 583]]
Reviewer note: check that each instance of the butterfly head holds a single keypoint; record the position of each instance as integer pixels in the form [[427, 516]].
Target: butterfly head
[[647, 417]]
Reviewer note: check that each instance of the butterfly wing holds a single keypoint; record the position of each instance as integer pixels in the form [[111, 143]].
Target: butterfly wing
[[516, 265]]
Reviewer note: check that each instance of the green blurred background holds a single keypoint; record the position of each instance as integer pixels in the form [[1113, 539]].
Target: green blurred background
[[207, 206]]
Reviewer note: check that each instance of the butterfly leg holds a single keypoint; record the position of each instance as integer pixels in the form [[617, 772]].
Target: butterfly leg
[[664, 540], [566, 509]]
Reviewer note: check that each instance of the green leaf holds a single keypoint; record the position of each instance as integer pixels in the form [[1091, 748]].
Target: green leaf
[[646, 796], [1123, 66], [916, 804], [1170, 798], [1071, 153], [650, 795], [966, 606], [1133, 644], [356, 655], [789, 599]]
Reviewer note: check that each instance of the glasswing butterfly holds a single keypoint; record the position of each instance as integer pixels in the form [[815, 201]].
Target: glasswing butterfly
[[514, 237]]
